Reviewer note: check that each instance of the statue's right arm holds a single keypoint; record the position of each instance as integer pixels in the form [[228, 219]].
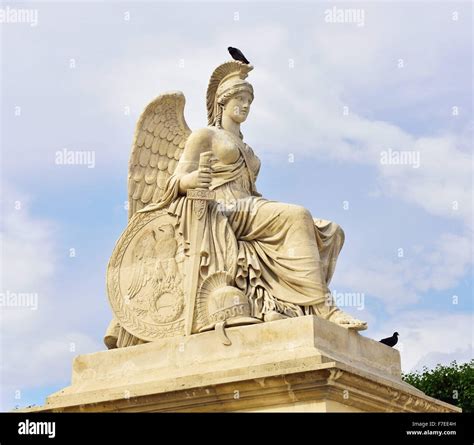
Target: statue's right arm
[[190, 176]]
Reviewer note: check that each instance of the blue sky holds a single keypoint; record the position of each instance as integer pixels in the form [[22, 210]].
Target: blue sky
[[75, 73]]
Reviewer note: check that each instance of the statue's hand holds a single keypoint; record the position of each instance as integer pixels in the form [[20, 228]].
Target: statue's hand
[[200, 178]]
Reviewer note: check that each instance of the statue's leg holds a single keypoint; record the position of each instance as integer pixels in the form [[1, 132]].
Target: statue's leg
[[330, 239], [280, 246]]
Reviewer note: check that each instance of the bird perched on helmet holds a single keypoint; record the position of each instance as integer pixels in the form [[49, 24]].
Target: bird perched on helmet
[[237, 55]]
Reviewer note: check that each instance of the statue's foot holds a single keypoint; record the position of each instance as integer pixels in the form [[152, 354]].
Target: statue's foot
[[274, 315], [347, 321]]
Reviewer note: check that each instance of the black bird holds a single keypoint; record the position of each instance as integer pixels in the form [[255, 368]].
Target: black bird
[[390, 341], [237, 55]]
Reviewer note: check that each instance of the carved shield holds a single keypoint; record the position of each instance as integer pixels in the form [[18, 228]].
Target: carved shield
[[145, 281]]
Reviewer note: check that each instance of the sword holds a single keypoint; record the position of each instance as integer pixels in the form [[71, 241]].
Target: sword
[[200, 198]]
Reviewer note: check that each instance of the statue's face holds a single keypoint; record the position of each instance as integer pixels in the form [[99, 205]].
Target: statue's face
[[238, 107]]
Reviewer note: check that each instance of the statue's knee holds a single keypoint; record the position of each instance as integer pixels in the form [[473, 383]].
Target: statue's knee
[[299, 213], [339, 233]]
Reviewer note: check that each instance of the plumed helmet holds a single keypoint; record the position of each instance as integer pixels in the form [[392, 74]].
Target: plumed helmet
[[219, 301], [226, 80]]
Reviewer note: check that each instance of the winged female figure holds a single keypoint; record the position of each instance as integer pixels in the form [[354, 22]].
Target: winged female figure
[[278, 255]]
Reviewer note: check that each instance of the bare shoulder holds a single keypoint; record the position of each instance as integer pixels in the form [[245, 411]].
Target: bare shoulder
[[201, 137], [198, 142]]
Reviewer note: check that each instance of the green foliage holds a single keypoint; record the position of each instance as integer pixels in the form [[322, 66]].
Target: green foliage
[[452, 384]]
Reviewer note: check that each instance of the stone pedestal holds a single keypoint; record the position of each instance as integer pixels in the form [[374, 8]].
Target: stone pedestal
[[298, 364]]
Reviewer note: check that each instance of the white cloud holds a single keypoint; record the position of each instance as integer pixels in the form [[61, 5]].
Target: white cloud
[[429, 337], [401, 282], [36, 346], [41, 359], [27, 261], [27, 250], [441, 185]]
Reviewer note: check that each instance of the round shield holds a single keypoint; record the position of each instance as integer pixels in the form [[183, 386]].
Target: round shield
[[145, 277]]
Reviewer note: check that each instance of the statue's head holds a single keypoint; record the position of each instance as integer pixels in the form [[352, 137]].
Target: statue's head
[[237, 107], [229, 93]]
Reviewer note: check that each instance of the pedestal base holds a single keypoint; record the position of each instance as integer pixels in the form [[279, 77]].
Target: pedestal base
[[298, 364]]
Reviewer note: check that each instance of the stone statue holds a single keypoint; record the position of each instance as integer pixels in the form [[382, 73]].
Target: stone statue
[[203, 249]]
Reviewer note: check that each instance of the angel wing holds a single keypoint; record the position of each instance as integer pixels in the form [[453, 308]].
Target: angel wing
[[159, 140]]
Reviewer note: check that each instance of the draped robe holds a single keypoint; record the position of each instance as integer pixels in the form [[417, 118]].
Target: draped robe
[[281, 257]]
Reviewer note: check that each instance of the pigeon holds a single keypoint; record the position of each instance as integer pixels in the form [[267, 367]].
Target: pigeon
[[237, 55], [390, 341]]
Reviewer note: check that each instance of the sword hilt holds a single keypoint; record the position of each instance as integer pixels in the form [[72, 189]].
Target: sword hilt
[[202, 193]]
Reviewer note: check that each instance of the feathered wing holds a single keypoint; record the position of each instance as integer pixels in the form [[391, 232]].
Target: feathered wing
[[141, 276], [143, 262], [159, 140]]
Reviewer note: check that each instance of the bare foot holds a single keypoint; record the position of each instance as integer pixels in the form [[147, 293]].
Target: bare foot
[[347, 321]]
